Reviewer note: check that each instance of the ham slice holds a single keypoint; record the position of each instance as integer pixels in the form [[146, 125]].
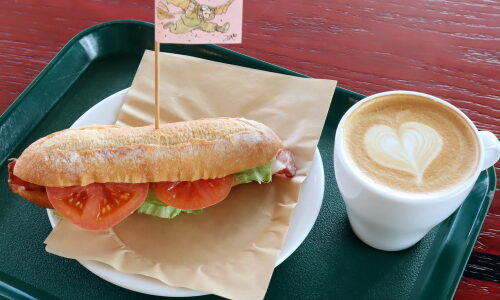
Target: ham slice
[[284, 164]]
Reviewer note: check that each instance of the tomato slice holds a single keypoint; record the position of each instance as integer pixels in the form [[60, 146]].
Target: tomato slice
[[98, 205], [191, 195]]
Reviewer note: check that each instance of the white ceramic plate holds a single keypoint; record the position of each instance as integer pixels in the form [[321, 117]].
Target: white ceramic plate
[[304, 216]]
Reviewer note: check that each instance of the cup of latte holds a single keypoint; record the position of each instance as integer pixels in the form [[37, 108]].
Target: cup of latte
[[404, 162]]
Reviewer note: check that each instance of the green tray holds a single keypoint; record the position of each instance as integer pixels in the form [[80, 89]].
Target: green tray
[[331, 263]]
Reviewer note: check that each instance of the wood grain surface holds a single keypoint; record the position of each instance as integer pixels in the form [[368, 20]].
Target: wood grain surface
[[450, 49]]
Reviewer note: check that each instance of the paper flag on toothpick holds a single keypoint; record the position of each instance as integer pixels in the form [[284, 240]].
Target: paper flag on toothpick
[[198, 21]]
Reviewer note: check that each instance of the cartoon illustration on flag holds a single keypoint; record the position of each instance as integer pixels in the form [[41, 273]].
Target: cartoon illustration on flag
[[198, 21]]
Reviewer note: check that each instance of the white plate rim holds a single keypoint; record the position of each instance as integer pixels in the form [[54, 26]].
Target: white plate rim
[[313, 185]]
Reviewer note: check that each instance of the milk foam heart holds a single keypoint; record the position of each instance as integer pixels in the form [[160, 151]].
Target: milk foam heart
[[411, 144], [411, 148]]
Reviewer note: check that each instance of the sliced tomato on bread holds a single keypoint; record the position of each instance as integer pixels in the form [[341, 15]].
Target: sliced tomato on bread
[[98, 205], [191, 195]]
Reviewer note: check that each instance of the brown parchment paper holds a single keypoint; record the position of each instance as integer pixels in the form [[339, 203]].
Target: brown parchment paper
[[231, 248]]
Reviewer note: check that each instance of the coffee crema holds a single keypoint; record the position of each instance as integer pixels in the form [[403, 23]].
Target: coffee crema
[[411, 143]]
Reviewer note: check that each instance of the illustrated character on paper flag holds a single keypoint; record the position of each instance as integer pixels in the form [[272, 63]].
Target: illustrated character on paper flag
[[195, 16], [198, 21]]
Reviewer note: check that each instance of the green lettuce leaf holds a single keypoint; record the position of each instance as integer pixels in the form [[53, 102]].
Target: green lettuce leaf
[[155, 207], [57, 214], [260, 174]]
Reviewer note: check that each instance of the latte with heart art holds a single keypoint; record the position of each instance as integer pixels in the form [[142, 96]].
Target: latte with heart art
[[411, 144]]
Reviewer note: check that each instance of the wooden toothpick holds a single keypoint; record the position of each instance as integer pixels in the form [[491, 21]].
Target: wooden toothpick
[[157, 100]]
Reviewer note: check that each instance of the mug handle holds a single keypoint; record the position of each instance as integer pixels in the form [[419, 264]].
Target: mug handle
[[491, 147]]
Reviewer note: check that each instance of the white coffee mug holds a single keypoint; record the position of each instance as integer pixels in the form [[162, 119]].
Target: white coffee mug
[[393, 221]]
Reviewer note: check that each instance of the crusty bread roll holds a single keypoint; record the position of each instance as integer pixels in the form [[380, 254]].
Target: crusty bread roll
[[183, 151]]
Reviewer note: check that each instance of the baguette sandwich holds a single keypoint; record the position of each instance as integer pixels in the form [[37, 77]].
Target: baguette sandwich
[[97, 176]]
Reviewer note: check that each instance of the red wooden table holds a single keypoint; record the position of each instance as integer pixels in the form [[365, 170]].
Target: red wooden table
[[447, 49]]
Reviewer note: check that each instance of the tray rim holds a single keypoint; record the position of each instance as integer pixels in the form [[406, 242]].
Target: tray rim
[[21, 290], [479, 221]]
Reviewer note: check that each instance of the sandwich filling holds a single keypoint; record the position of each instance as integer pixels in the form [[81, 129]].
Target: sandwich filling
[[103, 205]]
